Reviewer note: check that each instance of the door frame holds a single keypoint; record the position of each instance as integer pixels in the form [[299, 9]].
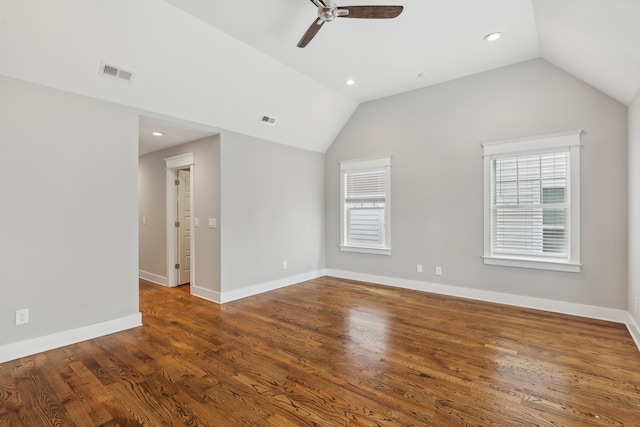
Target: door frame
[[173, 164]]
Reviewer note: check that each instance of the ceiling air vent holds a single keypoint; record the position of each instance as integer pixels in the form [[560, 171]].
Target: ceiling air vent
[[268, 120], [110, 71]]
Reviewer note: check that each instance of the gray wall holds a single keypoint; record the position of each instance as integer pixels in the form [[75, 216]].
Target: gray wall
[[152, 205], [634, 206], [68, 221], [272, 211], [434, 136]]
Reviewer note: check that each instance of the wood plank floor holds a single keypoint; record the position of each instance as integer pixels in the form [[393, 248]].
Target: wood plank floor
[[331, 352]]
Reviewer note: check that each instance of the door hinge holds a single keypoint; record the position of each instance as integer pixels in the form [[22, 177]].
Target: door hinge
[[177, 266], [177, 223], [177, 182]]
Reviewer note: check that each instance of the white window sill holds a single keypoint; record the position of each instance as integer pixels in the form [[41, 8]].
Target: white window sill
[[366, 250], [533, 263]]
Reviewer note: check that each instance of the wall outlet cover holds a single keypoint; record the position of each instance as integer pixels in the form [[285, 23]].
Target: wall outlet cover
[[22, 316]]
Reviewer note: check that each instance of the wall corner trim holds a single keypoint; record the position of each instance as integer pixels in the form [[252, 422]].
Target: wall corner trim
[[270, 286], [155, 278], [205, 293], [634, 330], [60, 339]]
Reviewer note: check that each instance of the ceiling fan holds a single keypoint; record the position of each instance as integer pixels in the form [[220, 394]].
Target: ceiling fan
[[328, 11]]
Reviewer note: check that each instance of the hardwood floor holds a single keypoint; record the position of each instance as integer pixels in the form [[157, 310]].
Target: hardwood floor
[[331, 352]]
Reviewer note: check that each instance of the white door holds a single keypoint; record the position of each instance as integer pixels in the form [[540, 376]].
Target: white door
[[184, 229]]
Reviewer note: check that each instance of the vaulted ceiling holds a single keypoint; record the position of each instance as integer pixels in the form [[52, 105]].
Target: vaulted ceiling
[[225, 64]]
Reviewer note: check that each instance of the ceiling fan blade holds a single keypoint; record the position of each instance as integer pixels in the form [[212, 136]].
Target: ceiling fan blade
[[318, 3], [369, 12], [311, 33]]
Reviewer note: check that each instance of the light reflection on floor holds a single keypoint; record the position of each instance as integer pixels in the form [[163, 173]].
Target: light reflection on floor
[[366, 335]]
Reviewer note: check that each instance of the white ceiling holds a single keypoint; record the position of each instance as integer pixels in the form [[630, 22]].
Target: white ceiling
[[598, 40], [385, 56], [174, 133], [223, 64]]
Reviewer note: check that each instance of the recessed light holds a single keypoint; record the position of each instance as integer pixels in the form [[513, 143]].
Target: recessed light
[[492, 37], [350, 82], [157, 133]]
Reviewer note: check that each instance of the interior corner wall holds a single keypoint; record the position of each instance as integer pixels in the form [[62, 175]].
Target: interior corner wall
[[272, 211], [68, 221], [634, 208], [152, 205], [434, 136]]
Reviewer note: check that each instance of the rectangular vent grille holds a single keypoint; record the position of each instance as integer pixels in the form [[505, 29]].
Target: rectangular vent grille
[[125, 75], [115, 72], [268, 120]]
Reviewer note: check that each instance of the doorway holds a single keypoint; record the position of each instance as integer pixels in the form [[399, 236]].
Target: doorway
[[180, 202]]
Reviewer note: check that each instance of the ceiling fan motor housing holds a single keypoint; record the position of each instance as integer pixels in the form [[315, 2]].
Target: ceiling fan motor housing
[[330, 11], [327, 14]]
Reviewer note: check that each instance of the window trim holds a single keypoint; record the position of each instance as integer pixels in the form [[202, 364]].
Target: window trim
[[539, 144], [364, 165]]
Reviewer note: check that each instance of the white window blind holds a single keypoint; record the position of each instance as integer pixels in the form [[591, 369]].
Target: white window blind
[[365, 198], [365, 205], [532, 202], [531, 205]]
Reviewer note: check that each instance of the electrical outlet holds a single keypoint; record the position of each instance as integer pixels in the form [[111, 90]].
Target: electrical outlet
[[284, 265], [22, 316], [419, 268], [438, 270]]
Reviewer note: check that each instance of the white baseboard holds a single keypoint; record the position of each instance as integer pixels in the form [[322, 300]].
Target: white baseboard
[[582, 310], [160, 280], [634, 330], [204, 293], [269, 286], [60, 339]]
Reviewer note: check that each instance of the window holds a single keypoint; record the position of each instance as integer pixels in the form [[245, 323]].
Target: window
[[364, 206], [532, 202]]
